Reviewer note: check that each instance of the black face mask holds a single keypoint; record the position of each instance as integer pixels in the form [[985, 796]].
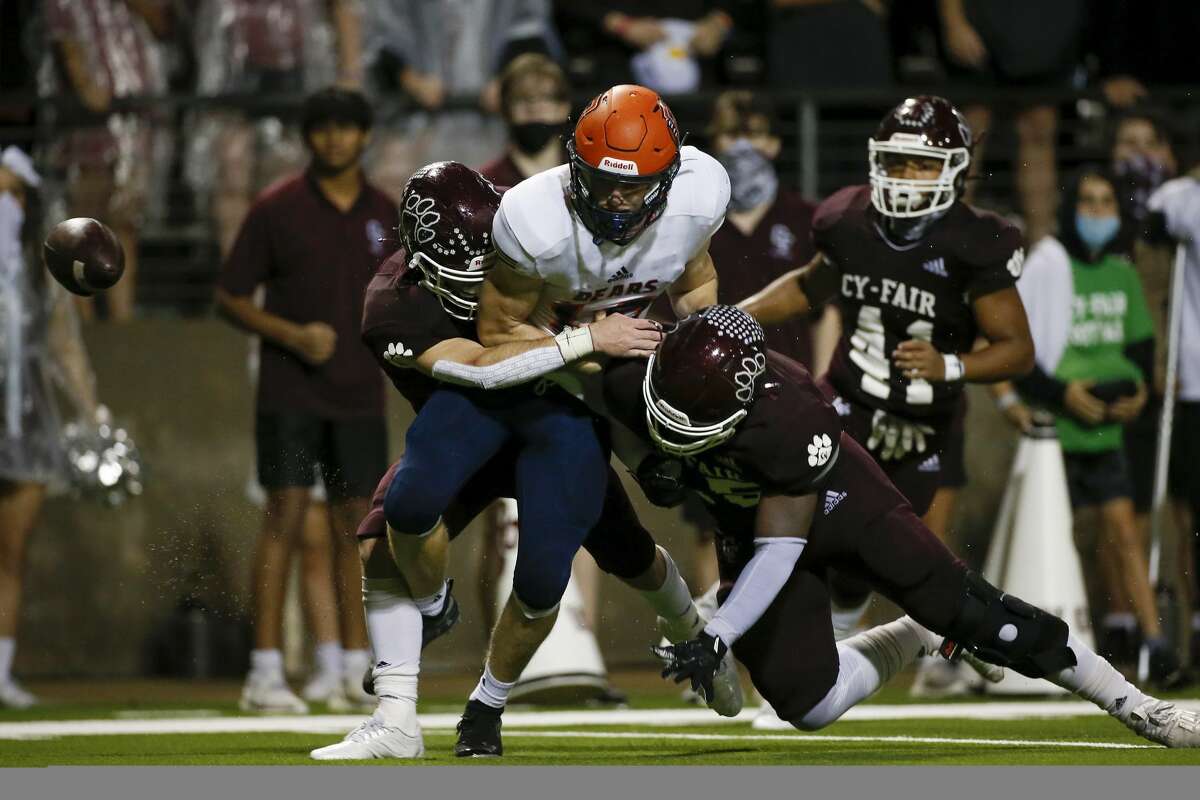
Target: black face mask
[[531, 137]]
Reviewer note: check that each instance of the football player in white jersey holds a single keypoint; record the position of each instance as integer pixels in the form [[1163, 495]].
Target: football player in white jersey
[[627, 218]]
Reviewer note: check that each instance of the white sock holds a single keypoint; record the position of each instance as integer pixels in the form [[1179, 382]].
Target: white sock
[[1123, 620], [1093, 678], [266, 662], [672, 599], [432, 605], [892, 647], [846, 619], [354, 662], [8, 647], [490, 691], [328, 657], [394, 627], [858, 678]]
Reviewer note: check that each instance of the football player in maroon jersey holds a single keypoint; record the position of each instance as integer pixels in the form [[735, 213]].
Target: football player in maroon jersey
[[481, 434], [918, 276], [752, 434]]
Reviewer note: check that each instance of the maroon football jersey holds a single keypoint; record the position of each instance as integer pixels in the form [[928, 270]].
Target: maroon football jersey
[[781, 242], [784, 446], [924, 290]]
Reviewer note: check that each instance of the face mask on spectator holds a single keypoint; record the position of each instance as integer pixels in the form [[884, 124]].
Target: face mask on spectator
[[752, 177], [1096, 232], [531, 137]]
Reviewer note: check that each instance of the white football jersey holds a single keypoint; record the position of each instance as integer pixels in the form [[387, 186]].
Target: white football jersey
[[536, 230]]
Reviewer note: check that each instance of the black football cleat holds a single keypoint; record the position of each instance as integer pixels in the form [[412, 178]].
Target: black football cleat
[[1165, 670], [431, 628], [479, 731]]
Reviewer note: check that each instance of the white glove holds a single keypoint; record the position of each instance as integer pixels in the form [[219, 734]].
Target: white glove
[[896, 437]]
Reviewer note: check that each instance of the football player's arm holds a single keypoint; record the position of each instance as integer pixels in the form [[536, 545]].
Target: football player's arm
[[506, 302], [826, 334], [780, 535], [696, 287], [793, 293], [1001, 319]]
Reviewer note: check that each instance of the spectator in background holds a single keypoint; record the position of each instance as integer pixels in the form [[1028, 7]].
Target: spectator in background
[[535, 102], [432, 52], [261, 49], [663, 44], [41, 348], [1017, 44], [314, 242], [1147, 43], [1095, 352], [829, 44], [103, 52]]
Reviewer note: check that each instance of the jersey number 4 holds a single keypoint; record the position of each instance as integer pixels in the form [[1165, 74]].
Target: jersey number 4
[[869, 353]]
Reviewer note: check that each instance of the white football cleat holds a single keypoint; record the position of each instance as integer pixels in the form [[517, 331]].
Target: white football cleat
[[1161, 722], [270, 694], [727, 697], [13, 695], [377, 738], [937, 677]]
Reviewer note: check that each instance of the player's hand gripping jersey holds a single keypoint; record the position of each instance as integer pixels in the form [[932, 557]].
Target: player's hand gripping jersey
[[923, 290], [537, 235]]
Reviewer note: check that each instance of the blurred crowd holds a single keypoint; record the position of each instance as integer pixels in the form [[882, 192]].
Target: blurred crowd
[[234, 71]]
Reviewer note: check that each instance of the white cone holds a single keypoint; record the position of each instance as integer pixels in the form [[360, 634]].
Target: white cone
[[1032, 554], [567, 667]]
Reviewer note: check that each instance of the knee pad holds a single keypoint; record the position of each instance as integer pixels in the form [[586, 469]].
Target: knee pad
[[408, 509], [1009, 632]]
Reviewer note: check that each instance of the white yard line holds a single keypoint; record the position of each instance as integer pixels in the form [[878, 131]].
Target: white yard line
[[515, 720], [822, 738]]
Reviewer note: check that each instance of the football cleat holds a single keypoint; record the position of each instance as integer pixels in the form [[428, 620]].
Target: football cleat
[[937, 677], [269, 694], [479, 731], [767, 720], [321, 687], [13, 695], [1161, 722], [377, 738], [1166, 672], [727, 685]]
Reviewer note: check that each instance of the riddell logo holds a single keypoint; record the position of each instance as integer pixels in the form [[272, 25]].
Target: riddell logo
[[610, 164]]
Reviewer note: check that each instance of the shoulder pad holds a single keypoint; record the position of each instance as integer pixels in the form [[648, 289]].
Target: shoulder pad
[[536, 215], [701, 189], [833, 209]]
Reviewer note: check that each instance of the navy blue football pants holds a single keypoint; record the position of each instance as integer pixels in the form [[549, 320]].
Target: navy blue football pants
[[561, 477]]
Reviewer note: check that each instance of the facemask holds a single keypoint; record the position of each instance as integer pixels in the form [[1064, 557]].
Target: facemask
[[752, 177], [531, 137], [1096, 232]]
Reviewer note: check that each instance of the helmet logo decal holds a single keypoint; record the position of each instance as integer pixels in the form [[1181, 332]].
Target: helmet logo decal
[[618, 165], [924, 118], [1016, 262], [421, 209], [820, 450], [752, 367]]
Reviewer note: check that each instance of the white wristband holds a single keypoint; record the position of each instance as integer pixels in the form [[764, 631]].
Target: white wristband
[[575, 343], [954, 368]]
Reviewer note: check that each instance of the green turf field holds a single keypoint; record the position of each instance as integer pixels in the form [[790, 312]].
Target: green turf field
[[1076, 740]]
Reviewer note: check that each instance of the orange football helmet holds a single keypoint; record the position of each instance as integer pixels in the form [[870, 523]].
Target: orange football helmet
[[624, 155]]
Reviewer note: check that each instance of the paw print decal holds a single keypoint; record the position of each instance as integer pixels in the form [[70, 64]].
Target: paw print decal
[[398, 355], [820, 450]]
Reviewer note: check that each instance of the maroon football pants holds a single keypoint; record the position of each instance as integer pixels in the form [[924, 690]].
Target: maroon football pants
[[863, 528]]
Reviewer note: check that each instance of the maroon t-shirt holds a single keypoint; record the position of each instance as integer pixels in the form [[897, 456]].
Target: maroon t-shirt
[[781, 242], [315, 262], [502, 172], [924, 290]]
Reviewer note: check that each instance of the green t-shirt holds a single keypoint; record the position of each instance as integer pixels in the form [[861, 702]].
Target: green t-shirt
[[1108, 312]]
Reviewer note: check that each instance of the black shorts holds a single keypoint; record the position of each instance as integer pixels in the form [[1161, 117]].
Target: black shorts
[[1094, 479], [352, 453], [954, 456], [1140, 442]]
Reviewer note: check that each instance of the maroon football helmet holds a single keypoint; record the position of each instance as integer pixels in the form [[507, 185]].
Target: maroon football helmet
[[701, 381], [920, 127], [446, 216]]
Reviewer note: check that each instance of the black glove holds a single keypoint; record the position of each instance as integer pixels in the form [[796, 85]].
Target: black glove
[[661, 479], [696, 659]]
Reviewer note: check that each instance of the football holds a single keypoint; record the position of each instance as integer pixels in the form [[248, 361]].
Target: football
[[84, 255]]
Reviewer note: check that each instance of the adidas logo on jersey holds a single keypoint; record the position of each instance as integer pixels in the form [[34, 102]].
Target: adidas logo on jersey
[[832, 499], [937, 266], [623, 274], [931, 464]]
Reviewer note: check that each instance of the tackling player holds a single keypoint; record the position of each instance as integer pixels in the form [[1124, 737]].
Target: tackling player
[[918, 276], [794, 496], [468, 447]]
